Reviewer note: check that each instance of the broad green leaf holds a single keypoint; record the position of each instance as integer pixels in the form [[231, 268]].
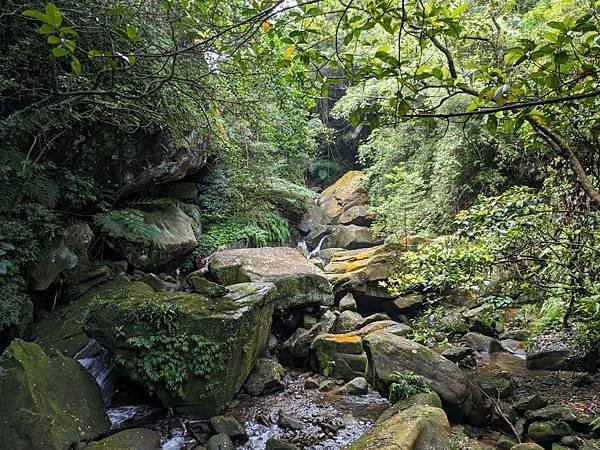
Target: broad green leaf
[[53, 14], [59, 52], [38, 15], [131, 32], [76, 65], [492, 124]]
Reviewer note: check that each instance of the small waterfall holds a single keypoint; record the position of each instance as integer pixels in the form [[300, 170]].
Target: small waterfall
[[310, 253], [96, 360]]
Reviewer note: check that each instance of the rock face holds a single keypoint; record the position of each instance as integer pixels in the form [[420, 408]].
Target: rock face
[[295, 351], [132, 439], [418, 423], [266, 378], [47, 402], [298, 281], [212, 342], [173, 239], [388, 354], [351, 237]]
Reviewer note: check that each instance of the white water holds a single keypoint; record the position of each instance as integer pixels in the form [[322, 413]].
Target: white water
[[310, 253], [96, 360]]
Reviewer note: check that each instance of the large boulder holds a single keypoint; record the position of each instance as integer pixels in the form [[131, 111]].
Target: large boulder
[[351, 237], [171, 236], [193, 351], [345, 193], [298, 281], [266, 378], [48, 402], [132, 439], [339, 356], [418, 423], [389, 354], [559, 351]]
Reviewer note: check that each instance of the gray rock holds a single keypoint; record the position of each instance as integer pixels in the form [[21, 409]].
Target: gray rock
[[388, 354], [298, 281], [457, 354], [572, 441], [513, 346], [55, 260], [311, 383], [527, 446], [497, 386], [530, 403], [220, 442], [516, 334], [481, 343], [288, 422], [131, 439], [356, 386], [206, 287], [157, 283], [295, 351], [229, 426], [278, 444], [351, 237], [266, 377], [505, 443], [559, 412], [347, 321], [407, 302], [347, 303], [544, 432]]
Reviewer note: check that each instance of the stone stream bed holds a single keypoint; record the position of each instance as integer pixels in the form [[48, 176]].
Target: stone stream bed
[[309, 418]]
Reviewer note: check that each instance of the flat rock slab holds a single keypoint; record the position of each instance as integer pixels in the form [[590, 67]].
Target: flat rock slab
[[298, 281]]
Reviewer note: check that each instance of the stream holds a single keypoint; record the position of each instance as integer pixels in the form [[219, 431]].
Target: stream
[[328, 420]]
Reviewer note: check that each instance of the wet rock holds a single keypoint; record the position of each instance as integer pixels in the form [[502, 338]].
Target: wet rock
[[288, 422], [78, 285], [266, 377], [527, 446], [347, 303], [132, 439], [351, 237], [572, 441], [505, 443], [498, 386], [278, 444], [559, 351], [414, 424], [311, 383], [481, 343], [543, 432], [559, 412], [356, 386], [530, 403], [48, 402], [299, 282], [513, 346], [516, 334], [458, 354], [326, 385], [208, 288], [234, 329], [220, 442], [388, 354], [174, 238], [347, 321], [295, 351], [228, 426], [157, 283], [338, 356]]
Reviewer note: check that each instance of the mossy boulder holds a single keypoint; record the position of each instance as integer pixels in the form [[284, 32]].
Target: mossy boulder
[[418, 423], [133, 439], [338, 356], [193, 351], [48, 402], [173, 237], [389, 354], [351, 237], [298, 281]]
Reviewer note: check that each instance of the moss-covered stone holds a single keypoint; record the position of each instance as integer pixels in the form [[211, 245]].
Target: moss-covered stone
[[410, 425], [47, 402], [298, 281], [195, 352], [389, 354], [133, 439]]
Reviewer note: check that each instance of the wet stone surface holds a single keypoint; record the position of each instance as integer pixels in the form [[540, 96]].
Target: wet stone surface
[[322, 420]]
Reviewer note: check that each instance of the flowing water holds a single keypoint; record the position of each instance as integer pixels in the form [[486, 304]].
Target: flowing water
[[310, 253]]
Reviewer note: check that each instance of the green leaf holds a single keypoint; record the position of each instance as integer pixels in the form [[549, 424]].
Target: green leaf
[[38, 15], [45, 29], [53, 40], [459, 10], [132, 32], [76, 65], [59, 52], [53, 14]]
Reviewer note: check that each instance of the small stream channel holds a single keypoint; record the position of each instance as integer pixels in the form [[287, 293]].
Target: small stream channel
[[328, 421]]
